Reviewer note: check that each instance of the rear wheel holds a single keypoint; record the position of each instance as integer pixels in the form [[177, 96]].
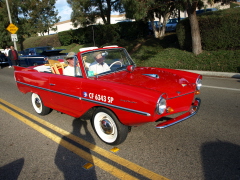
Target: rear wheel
[[39, 106], [108, 128]]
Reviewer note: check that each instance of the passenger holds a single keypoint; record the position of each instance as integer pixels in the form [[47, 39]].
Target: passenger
[[99, 66], [70, 69]]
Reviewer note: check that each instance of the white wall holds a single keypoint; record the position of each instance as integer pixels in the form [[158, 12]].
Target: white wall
[[67, 25]]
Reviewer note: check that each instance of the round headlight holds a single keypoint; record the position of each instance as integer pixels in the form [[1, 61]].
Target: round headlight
[[161, 105], [198, 84]]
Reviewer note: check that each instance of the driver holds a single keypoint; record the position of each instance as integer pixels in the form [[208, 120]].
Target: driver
[[99, 66]]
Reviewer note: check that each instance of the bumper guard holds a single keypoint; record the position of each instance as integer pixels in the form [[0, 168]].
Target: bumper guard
[[193, 110]]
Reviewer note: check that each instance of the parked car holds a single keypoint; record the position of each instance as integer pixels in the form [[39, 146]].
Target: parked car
[[3, 59], [156, 24], [172, 24], [112, 92], [39, 55], [205, 10]]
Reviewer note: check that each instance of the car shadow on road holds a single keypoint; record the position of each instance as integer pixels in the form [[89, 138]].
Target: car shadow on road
[[12, 170], [221, 160], [70, 154]]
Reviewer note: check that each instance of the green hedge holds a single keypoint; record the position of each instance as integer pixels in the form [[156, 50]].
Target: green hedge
[[219, 30], [51, 40], [103, 34]]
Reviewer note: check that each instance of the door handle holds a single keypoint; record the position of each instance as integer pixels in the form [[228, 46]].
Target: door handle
[[52, 84]]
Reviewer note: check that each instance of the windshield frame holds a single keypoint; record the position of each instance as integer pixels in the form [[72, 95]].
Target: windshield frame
[[124, 59]]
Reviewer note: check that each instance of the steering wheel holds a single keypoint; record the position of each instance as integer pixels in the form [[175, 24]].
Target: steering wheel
[[115, 63]]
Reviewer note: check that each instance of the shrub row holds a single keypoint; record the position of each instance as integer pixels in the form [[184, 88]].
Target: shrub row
[[51, 40], [219, 30], [102, 34]]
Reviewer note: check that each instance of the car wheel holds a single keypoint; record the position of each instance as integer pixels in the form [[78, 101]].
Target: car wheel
[[108, 128], [39, 106]]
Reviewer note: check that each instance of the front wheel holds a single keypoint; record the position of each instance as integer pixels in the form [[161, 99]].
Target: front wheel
[[39, 106], [108, 128]]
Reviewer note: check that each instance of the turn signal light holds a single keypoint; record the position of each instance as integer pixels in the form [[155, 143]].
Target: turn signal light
[[197, 92], [170, 110]]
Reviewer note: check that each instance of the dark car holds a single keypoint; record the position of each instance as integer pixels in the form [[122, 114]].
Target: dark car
[[39, 55], [3, 59], [205, 10]]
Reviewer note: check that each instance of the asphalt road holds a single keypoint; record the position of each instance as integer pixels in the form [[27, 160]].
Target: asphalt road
[[204, 147]]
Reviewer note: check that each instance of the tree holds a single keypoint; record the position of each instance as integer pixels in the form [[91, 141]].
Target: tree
[[148, 10], [30, 16], [85, 12], [190, 6]]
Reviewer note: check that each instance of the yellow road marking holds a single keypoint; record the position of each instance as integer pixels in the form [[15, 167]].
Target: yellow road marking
[[116, 172]]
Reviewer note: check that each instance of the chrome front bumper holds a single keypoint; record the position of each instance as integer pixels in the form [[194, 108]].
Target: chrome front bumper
[[193, 110]]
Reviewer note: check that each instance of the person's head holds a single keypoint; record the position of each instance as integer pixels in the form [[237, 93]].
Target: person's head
[[7, 47], [98, 57], [70, 59], [12, 47]]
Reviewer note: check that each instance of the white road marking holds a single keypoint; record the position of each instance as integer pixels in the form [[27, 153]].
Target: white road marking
[[233, 89]]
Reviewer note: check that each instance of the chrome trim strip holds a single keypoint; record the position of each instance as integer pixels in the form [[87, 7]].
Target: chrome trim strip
[[69, 95], [118, 107], [89, 100], [195, 112], [180, 95]]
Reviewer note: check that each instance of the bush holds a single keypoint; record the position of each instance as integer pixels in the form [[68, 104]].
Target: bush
[[51, 40], [219, 30], [132, 30], [104, 34], [65, 37], [96, 34]]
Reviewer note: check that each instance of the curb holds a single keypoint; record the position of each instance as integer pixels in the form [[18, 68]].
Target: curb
[[214, 73]]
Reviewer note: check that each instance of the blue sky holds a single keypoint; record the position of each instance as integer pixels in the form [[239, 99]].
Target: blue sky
[[63, 10]]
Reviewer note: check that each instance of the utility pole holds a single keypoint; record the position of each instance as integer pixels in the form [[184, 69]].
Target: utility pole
[[10, 19]]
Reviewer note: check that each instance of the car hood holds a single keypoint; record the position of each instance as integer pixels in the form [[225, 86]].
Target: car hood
[[153, 78]]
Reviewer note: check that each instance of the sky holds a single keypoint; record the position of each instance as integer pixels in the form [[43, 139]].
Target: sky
[[63, 10]]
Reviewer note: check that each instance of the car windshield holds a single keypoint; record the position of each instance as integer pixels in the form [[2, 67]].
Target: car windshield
[[106, 61]]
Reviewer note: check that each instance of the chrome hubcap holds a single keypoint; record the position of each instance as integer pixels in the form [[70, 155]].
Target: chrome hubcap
[[106, 126], [37, 102]]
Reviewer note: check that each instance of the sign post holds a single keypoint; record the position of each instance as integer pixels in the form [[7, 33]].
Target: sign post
[[12, 29]]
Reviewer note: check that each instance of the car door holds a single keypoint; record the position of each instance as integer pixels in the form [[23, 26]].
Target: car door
[[66, 94]]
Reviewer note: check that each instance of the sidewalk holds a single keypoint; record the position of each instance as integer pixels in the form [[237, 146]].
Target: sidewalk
[[213, 73]]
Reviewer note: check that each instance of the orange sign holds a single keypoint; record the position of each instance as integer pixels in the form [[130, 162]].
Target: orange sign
[[12, 28]]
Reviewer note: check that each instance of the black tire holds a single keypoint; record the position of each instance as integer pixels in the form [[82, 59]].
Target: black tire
[[108, 128], [38, 105]]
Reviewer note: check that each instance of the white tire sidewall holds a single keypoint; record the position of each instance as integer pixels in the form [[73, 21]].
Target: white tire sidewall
[[108, 138], [37, 109]]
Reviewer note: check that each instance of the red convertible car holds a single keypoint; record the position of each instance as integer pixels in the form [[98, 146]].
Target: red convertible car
[[107, 85]]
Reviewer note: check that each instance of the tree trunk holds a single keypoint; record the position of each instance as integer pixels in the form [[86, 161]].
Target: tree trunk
[[195, 33]]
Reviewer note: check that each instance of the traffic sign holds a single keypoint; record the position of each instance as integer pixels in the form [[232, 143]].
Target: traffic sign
[[12, 28], [14, 37]]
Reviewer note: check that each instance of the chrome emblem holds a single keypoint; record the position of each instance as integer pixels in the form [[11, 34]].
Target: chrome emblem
[[183, 85]]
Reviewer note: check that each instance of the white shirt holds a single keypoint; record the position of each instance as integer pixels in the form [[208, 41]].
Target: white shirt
[[6, 51], [98, 68], [69, 71]]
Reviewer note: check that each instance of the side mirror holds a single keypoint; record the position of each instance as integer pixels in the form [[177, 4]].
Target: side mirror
[[130, 68]]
